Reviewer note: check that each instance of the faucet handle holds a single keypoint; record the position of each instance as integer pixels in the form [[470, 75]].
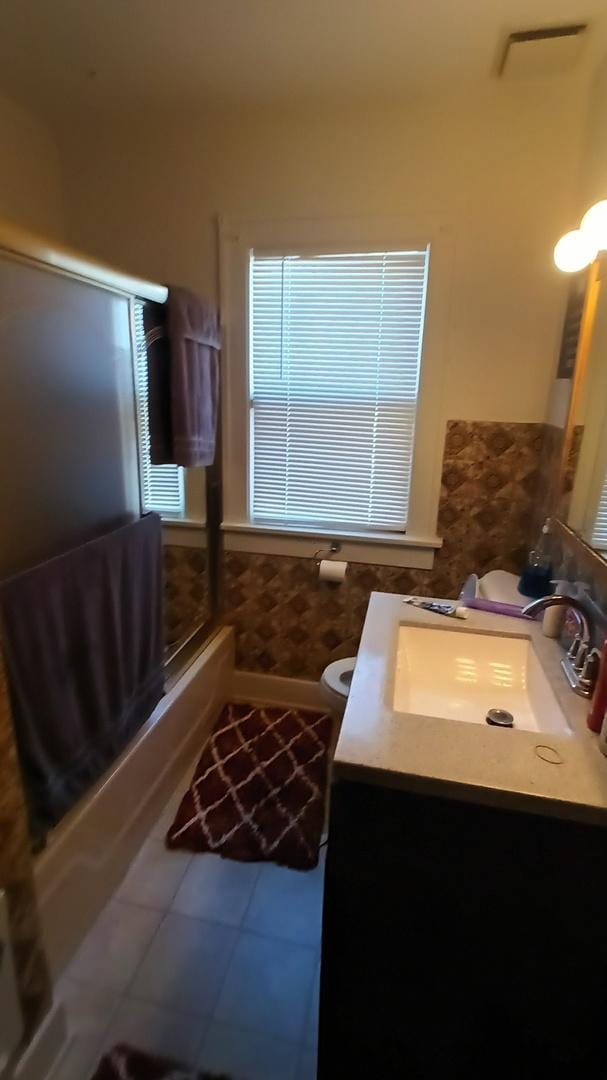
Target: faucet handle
[[590, 669], [574, 648], [581, 657]]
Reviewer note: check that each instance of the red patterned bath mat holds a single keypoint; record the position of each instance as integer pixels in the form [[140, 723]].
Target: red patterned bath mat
[[125, 1063], [258, 793]]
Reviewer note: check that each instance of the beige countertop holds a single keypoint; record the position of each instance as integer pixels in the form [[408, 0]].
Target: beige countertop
[[468, 761]]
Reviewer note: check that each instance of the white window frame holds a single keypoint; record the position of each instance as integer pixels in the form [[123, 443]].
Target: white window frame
[[592, 464], [193, 515], [238, 238]]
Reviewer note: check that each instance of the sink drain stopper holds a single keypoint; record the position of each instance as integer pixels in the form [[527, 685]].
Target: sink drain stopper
[[500, 718]]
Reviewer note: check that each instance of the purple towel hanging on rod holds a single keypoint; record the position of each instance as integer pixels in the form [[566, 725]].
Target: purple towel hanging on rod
[[83, 641], [183, 344]]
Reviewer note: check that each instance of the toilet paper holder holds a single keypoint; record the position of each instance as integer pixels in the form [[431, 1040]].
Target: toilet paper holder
[[326, 553]]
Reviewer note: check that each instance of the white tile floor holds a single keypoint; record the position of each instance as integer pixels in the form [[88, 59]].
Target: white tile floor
[[211, 962]]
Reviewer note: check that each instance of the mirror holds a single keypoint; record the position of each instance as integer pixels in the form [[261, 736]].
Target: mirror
[[578, 413]]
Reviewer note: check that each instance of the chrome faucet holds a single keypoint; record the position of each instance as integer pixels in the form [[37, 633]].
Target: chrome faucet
[[581, 664]]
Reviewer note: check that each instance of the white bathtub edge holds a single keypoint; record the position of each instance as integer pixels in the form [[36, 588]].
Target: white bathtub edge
[[45, 1049], [90, 851]]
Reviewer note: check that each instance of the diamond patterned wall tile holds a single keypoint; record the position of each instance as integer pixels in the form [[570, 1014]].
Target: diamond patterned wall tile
[[186, 591], [290, 623]]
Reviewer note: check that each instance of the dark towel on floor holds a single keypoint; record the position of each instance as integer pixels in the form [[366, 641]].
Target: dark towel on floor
[[183, 379], [123, 1062], [83, 643]]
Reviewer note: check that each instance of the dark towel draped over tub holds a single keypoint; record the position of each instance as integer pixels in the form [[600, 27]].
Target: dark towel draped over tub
[[183, 379], [82, 637]]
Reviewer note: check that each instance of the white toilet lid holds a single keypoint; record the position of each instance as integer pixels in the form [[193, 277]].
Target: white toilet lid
[[502, 586], [338, 675]]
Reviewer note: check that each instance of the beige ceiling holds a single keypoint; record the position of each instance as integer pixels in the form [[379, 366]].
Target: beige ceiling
[[58, 55]]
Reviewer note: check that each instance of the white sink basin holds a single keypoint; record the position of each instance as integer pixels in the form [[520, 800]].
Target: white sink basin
[[461, 675]]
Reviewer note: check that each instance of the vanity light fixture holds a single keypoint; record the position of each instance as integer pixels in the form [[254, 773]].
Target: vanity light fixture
[[594, 224], [580, 247], [574, 251]]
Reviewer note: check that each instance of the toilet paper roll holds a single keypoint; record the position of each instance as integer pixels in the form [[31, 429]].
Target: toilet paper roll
[[332, 570]]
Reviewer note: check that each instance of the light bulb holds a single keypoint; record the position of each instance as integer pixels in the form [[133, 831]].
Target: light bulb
[[574, 251], [594, 224]]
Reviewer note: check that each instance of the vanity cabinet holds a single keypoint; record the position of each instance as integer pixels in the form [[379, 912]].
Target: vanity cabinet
[[461, 941]]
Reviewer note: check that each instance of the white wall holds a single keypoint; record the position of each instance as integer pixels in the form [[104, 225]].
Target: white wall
[[592, 184], [498, 167], [30, 182]]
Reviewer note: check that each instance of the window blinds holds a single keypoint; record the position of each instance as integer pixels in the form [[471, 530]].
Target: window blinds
[[599, 532], [161, 485], [335, 346]]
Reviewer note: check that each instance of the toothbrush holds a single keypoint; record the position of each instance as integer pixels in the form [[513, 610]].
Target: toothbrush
[[478, 603], [453, 611]]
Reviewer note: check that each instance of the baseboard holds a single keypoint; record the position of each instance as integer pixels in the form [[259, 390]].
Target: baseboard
[[92, 848], [45, 1048], [257, 688]]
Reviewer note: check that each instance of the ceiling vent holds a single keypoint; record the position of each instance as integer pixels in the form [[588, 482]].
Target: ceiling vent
[[529, 54]]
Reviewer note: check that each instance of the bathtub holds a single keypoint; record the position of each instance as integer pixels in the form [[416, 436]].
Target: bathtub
[[89, 852]]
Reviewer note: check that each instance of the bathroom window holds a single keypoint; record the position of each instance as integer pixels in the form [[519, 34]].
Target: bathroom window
[[333, 369], [335, 352], [162, 486], [599, 532]]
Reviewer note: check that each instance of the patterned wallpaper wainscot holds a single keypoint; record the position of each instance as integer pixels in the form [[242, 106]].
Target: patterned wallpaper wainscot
[[186, 592], [289, 623]]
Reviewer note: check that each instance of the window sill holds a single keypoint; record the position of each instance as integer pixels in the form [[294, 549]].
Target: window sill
[[183, 522], [383, 549], [184, 532]]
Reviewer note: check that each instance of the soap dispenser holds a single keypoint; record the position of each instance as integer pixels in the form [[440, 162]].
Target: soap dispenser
[[536, 578]]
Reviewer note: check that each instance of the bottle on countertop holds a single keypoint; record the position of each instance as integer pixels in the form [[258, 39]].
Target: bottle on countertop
[[581, 590], [536, 578], [596, 716], [603, 739]]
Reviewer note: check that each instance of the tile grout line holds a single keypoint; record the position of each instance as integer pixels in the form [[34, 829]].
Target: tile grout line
[[164, 912], [201, 1043], [145, 952], [300, 1046], [222, 981], [185, 1014], [181, 878], [134, 997], [237, 937], [250, 900], [149, 906], [114, 1013], [300, 1043], [238, 927]]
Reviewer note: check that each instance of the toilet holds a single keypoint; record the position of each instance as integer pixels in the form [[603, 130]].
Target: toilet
[[335, 684], [498, 585]]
